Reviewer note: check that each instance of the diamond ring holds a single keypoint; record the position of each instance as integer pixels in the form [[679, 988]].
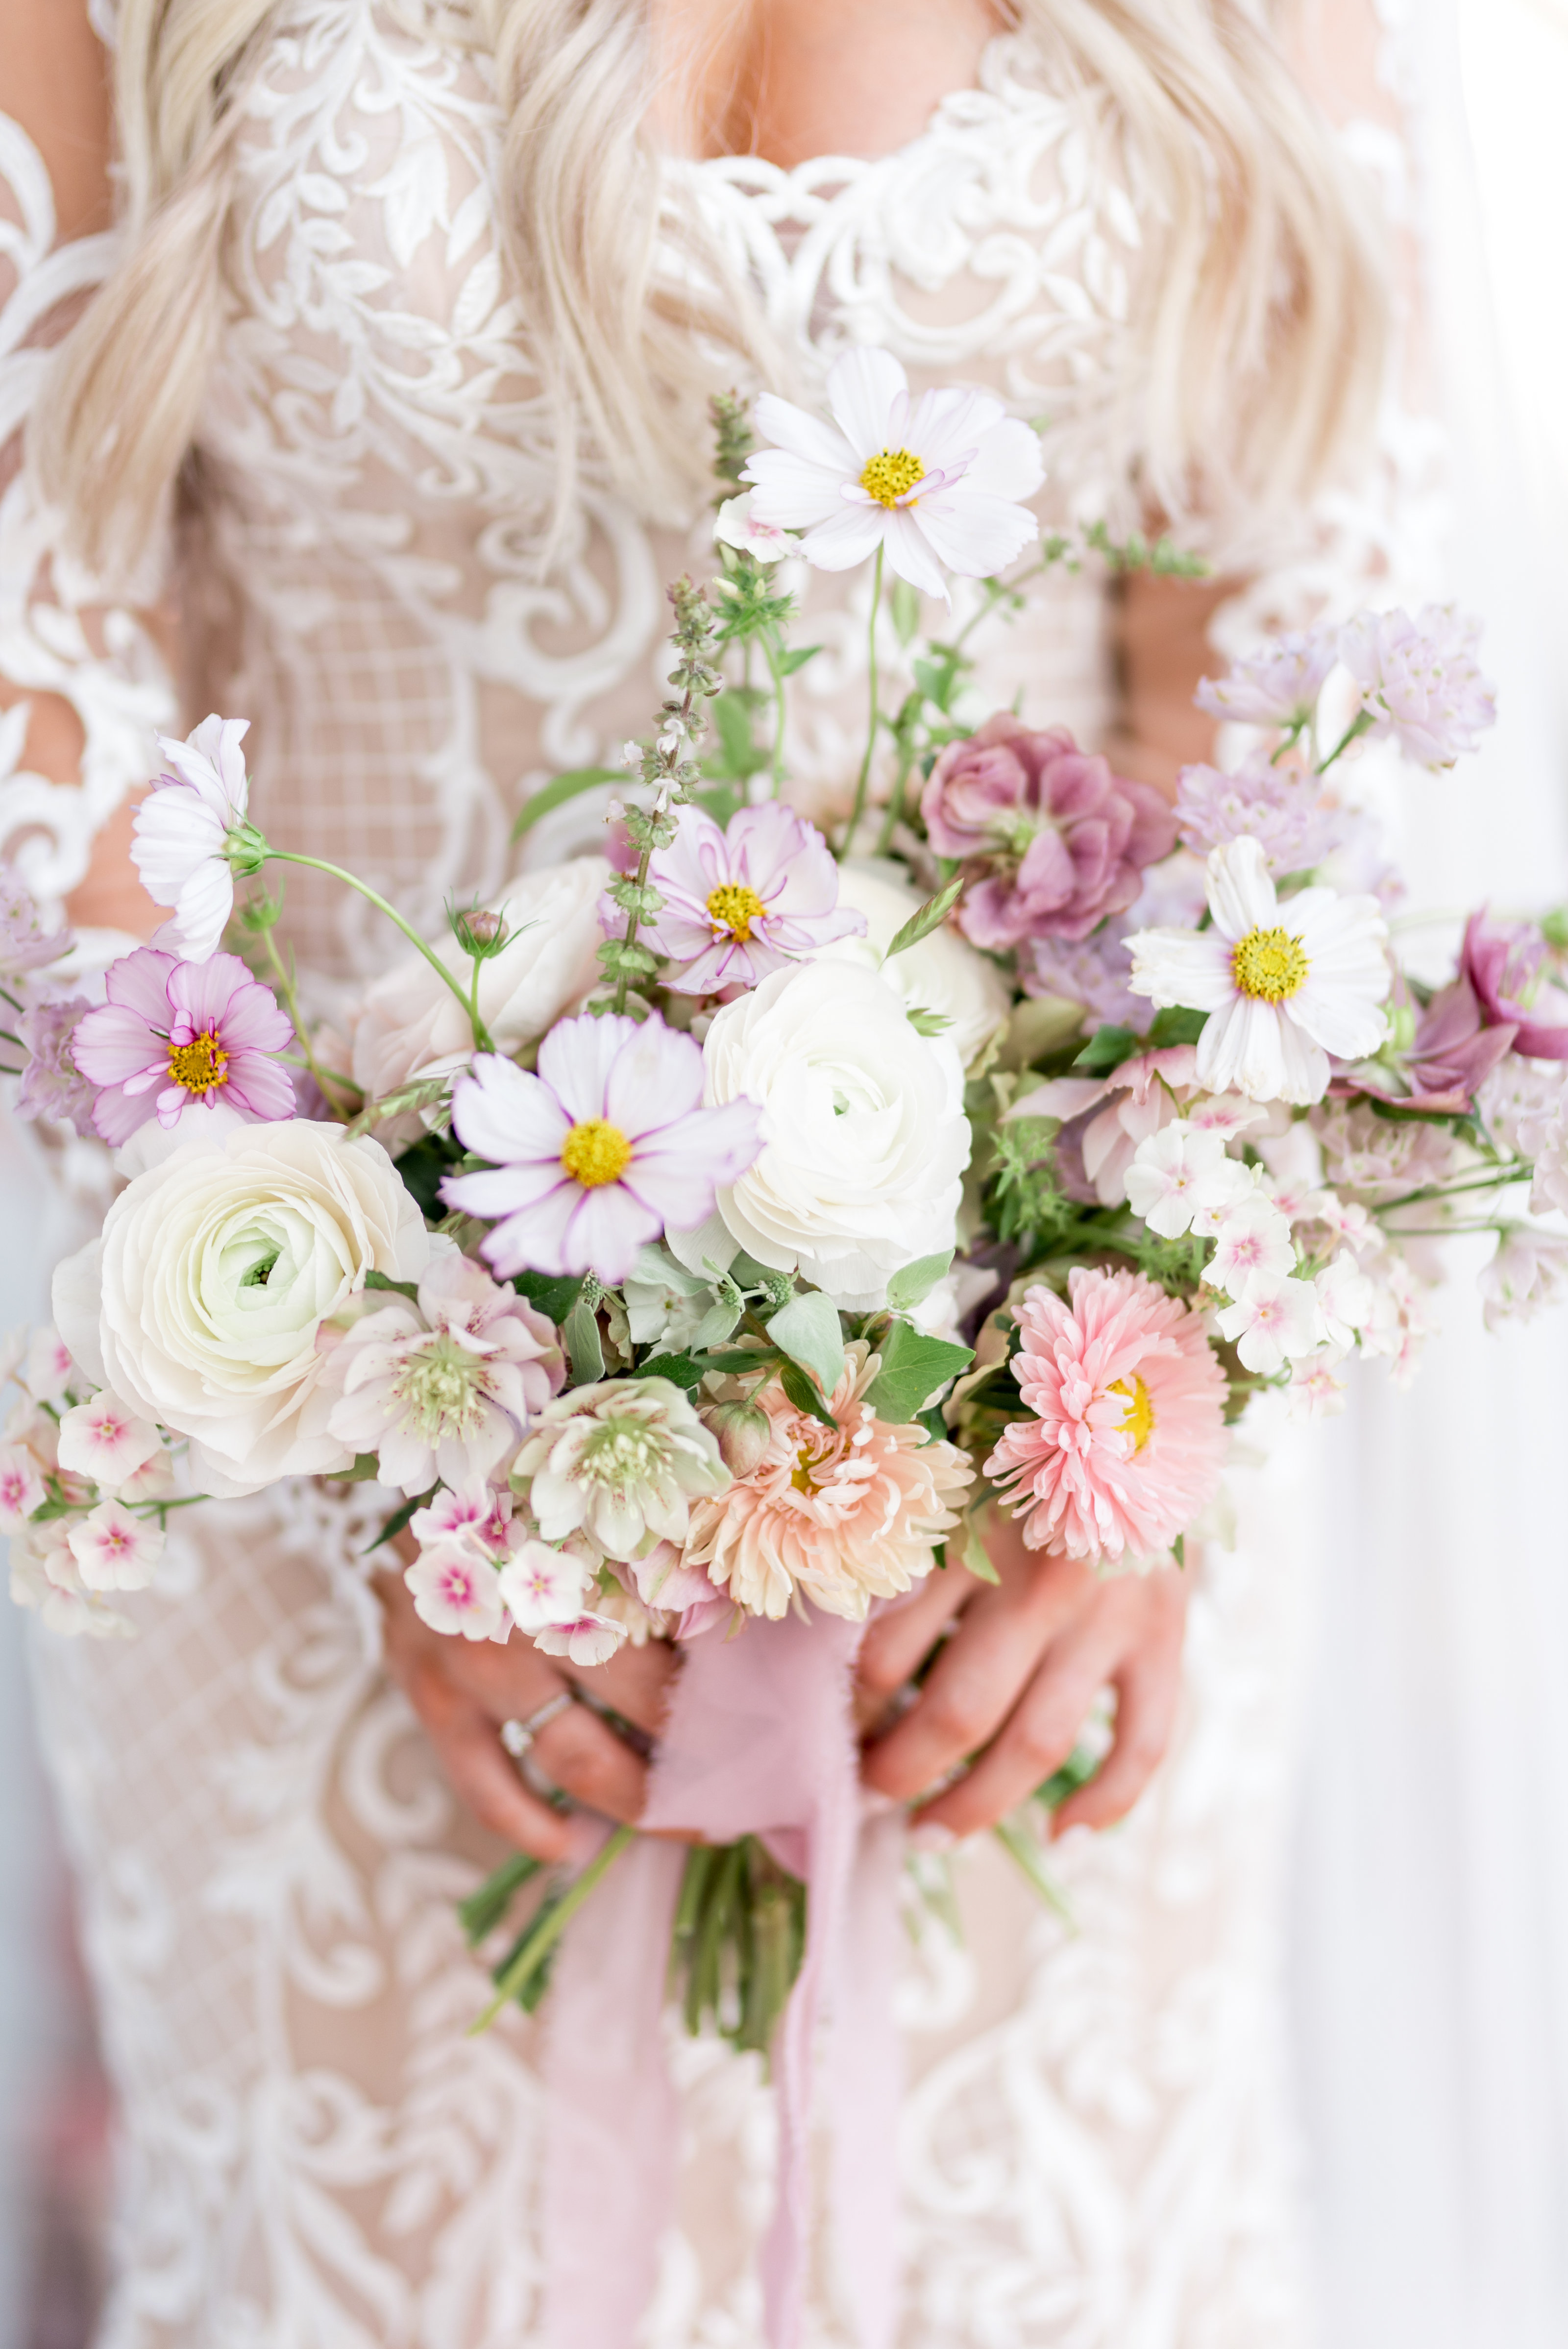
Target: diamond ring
[[517, 1736]]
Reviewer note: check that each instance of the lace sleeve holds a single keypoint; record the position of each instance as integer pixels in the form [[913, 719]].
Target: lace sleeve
[[67, 650]]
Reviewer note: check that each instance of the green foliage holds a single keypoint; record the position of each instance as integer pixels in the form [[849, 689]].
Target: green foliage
[[1107, 1049], [680, 1370], [925, 919], [1174, 1025], [801, 1389], [408, 1288], [1029, 1207], [914, 1283], [559, 790], [484, 1909], [733, 440], [549, 1293], [913, 1367], [400, 1517]]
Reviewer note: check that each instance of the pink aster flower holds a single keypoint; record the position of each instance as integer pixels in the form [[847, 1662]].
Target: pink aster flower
[[592, 1158], [1128, 1436], [114, 1551], [741, 902], [177, 1037], [1504, 962], [1277, 686], [1054, 840], [1419, 680], [444, 1386]]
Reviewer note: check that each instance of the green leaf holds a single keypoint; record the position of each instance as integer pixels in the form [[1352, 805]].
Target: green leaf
[[926, 918], [680, 1370], [789, 662], [933, 1422], [1176, 1025], [928, 1023], [807, 1329], [913, 1367], [399, 1519], [738, 755], [721, 803], [548, 1293], [906, 610], [424, 1168], [554, 794], [374, 1279], [975, 1560], [1107, 1049], [743, 1359], [797, 1385], [581, 1331], [913, 1284]]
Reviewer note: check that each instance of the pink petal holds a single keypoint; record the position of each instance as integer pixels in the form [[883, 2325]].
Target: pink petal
[[576, 1059], [502, 1114], [655, 1078]]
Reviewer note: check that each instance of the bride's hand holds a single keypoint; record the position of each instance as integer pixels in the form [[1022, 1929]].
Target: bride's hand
[[1016, 1680], [463, 1689]]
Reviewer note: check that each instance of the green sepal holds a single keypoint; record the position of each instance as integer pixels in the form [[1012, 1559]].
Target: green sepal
[[801, 1389], [680, 1370], [1107, 1049]]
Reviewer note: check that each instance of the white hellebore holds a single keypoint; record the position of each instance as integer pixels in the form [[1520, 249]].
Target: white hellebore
[[942, 973], [865, 1136], [934, 482], [200, 1304], [183, 832], [1284, 985]]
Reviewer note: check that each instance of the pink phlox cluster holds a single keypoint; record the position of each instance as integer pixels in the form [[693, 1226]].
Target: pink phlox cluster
[[1280, 808], [1127, 1438], [1104, 1119], [741, 902], [1278, 686], [1505, 964], [176, 1037], [1420, 682], [52, 1085], [1053, 841]]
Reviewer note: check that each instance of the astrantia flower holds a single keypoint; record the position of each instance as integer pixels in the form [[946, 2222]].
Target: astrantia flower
[[934, 481], [844, 1513], [191, 829], [114, 1551], [598, 1151], [1283, 984], [621, 1462], [1127, 1439], [741, 901], [176, 1038], [1277, 807], [1053, 839], [1419, 680], [1278, 686], [52, 1085], [446, 1386]]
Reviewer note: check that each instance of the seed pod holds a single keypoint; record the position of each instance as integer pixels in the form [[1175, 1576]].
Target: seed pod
[[742, 1429]]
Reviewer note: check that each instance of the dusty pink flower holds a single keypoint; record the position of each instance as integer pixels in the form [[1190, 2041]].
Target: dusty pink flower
[[741, 902], [1504, 962], [594, 1155], [1127, 1439], [114, 1551], [1104, 1119], [52, 1085], [1054, 840], [179, 1037], [1452, 1055], [844, 1514]]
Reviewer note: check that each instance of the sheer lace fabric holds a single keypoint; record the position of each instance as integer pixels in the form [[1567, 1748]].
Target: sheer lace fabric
[[1094, 2151]]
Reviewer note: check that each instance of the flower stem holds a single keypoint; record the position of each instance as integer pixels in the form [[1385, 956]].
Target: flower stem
[[538, 1944], [1498, 1180], [1353, 732], [864, 784], [285, 982], [774, 654], [482, 1037], [623, 983]]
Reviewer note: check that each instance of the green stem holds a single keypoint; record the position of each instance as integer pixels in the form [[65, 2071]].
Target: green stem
[[1496, 1181], [482, 1037], [526, 1962], [623, 981], [863, 785], [895, 814], [285, 983], [1353, 732], [774, 652]]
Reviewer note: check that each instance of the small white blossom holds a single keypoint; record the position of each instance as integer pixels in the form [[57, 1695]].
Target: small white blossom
[[738, 524], [114, 1551], [105, 1441], [1345, 1299], [1275, 1321], [21, 1486], [1180, 1177], [182, 835], [456, 1591], [591, 1639], [1253, 1236], [541, 1585]]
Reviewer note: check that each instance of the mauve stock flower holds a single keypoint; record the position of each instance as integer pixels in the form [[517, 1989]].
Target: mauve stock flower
[[179, 1037], [52, 1085], [1277, 686], [1503, 963], [1125, 1444], [1104, 1119], [1054, 841], [1419, 680], [741, 902], [1278, 806]]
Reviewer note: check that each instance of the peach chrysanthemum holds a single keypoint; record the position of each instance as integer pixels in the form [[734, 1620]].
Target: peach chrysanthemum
[[843, 1516], [1128, 1436]]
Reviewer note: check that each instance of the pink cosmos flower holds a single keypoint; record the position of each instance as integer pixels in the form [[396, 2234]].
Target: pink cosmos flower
[[1503, 963], [741, 902], [594, 1155], [444, 1387], [1128, 1437], [114, 1551], [177, 1037], [454, 1591], [1054, 840], [105, 1441]]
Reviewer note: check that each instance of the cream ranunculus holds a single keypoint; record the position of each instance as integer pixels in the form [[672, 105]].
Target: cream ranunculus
[[200, 1304], [411, 1025], [864, 1137], [942, 973]]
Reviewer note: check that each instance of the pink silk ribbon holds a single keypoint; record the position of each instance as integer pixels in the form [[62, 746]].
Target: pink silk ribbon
[[760, 1741]]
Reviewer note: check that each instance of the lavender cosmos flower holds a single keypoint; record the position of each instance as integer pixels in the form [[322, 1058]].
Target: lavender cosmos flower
[[1280, 809], [1054, 841], [741, 903], [177, 1037], [1276, 687], [52, 1085], [598, 1151], [1503, 961], [1419, 681]]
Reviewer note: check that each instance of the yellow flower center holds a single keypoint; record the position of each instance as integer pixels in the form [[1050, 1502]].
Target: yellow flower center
[[1137, 1420], [1269, 965], [199, 1066], [733, 906], [890, 473], [800, 1475], [596, 1152]]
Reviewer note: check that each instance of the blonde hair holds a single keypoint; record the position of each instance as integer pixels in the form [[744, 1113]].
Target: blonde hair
[[1258, 324]]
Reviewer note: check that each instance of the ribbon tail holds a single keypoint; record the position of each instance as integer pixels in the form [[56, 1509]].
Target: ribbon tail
[[865, 2068]]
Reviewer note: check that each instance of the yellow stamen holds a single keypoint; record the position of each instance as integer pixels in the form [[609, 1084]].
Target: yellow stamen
[[1269, 965], [199, 1066], [1137, 1420], [733, 906], [890, 473], [596, 1152], [800, 1475]]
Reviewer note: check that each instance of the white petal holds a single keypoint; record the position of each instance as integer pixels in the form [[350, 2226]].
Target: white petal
[[802, 435], [910, 555], [1182, 967], [948, 427], [972, 534], [1008, 462], [1304, 1062], [1240, 1049], [792, 492], [862, 387], [853, 534], [1242, 897]]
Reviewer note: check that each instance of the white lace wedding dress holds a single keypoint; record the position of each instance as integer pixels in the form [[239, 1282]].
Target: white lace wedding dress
[[315, 2155]]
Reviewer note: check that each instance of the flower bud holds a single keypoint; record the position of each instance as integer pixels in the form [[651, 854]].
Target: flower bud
[[742, 1429], [478, 932]]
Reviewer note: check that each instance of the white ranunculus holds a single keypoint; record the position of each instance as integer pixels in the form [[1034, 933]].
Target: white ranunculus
[[200, 1304], [864, 1138], [411, 1025], [943, 974]]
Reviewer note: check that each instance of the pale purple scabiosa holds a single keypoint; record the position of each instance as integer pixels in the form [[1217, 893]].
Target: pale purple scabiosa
[[189, 831], [1283, 984], [934, 482], [179, 1037], [741, 901], [445, 1385], [52, 1086], [1419, 680], [1279, 807], [1093, 971], [594, 1155], [1278, 686]]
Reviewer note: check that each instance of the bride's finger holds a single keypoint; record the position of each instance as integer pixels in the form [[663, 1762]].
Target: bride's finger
[[1038, 1737], [582, 1754], [899, 1639], [635, 1681], [480, 1772]]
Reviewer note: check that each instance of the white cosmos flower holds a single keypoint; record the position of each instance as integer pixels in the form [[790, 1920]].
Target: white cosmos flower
[[1284, 985], [181, 834], [934, 481]]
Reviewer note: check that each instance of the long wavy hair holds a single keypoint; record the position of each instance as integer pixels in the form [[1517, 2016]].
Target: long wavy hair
[[1258, 326]]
